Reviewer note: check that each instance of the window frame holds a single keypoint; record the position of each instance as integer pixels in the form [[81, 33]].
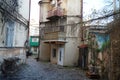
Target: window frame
[[54, 52]]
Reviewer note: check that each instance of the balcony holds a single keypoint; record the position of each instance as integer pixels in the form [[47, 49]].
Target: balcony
[[55, 14], [54, 33], [54, 29]]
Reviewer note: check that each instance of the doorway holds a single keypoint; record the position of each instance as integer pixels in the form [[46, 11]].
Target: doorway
[[60, 56], [83, 57]]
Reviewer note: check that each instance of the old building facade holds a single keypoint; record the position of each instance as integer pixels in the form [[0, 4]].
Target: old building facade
[[14, 17], [59, 32]]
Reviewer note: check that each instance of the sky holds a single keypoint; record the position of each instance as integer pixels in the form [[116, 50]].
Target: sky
[[35, 11], [89, 5], [34, 18]]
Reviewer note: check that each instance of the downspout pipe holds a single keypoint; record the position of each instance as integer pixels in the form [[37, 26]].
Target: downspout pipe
[[81, 21], [29, 20], [39, 3]]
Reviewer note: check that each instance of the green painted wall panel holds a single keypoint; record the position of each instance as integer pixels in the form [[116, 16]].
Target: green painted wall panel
[[34, 41]]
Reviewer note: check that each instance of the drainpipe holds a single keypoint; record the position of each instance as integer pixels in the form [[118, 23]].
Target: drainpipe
[[40, 14], [119, 5], [81, 20], [29, 20], [114, 2]]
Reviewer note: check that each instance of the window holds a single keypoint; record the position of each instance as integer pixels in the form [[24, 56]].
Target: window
[[60, 56], [9, 34], [54, 53], [62, 28]]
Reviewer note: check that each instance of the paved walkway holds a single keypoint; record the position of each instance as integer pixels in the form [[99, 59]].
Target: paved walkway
[[34, 70]]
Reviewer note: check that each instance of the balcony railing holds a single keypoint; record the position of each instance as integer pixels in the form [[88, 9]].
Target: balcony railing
[[54, 29], [58, 12], [54, 33], [8, 9]]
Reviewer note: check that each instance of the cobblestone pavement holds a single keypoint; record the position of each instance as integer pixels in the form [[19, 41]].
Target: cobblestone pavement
[[34, 70]]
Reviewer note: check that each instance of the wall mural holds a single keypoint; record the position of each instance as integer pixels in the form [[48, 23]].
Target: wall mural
[[103, 41]]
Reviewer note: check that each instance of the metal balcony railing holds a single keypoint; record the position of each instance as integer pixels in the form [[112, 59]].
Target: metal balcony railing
[[56, 12], [54, 29], [11, 12]]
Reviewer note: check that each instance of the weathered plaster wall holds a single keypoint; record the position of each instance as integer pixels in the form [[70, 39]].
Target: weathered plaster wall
[[12, 52], [73, 41], [73, 17], [71, 52], [72, 30], [73, 9], [44, 51], [20, 30], [20, 35], [72, 34]]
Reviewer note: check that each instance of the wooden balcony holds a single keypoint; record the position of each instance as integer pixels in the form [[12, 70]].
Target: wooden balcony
[[54, 36], [54, 29], [54, 33], [55, 14]]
